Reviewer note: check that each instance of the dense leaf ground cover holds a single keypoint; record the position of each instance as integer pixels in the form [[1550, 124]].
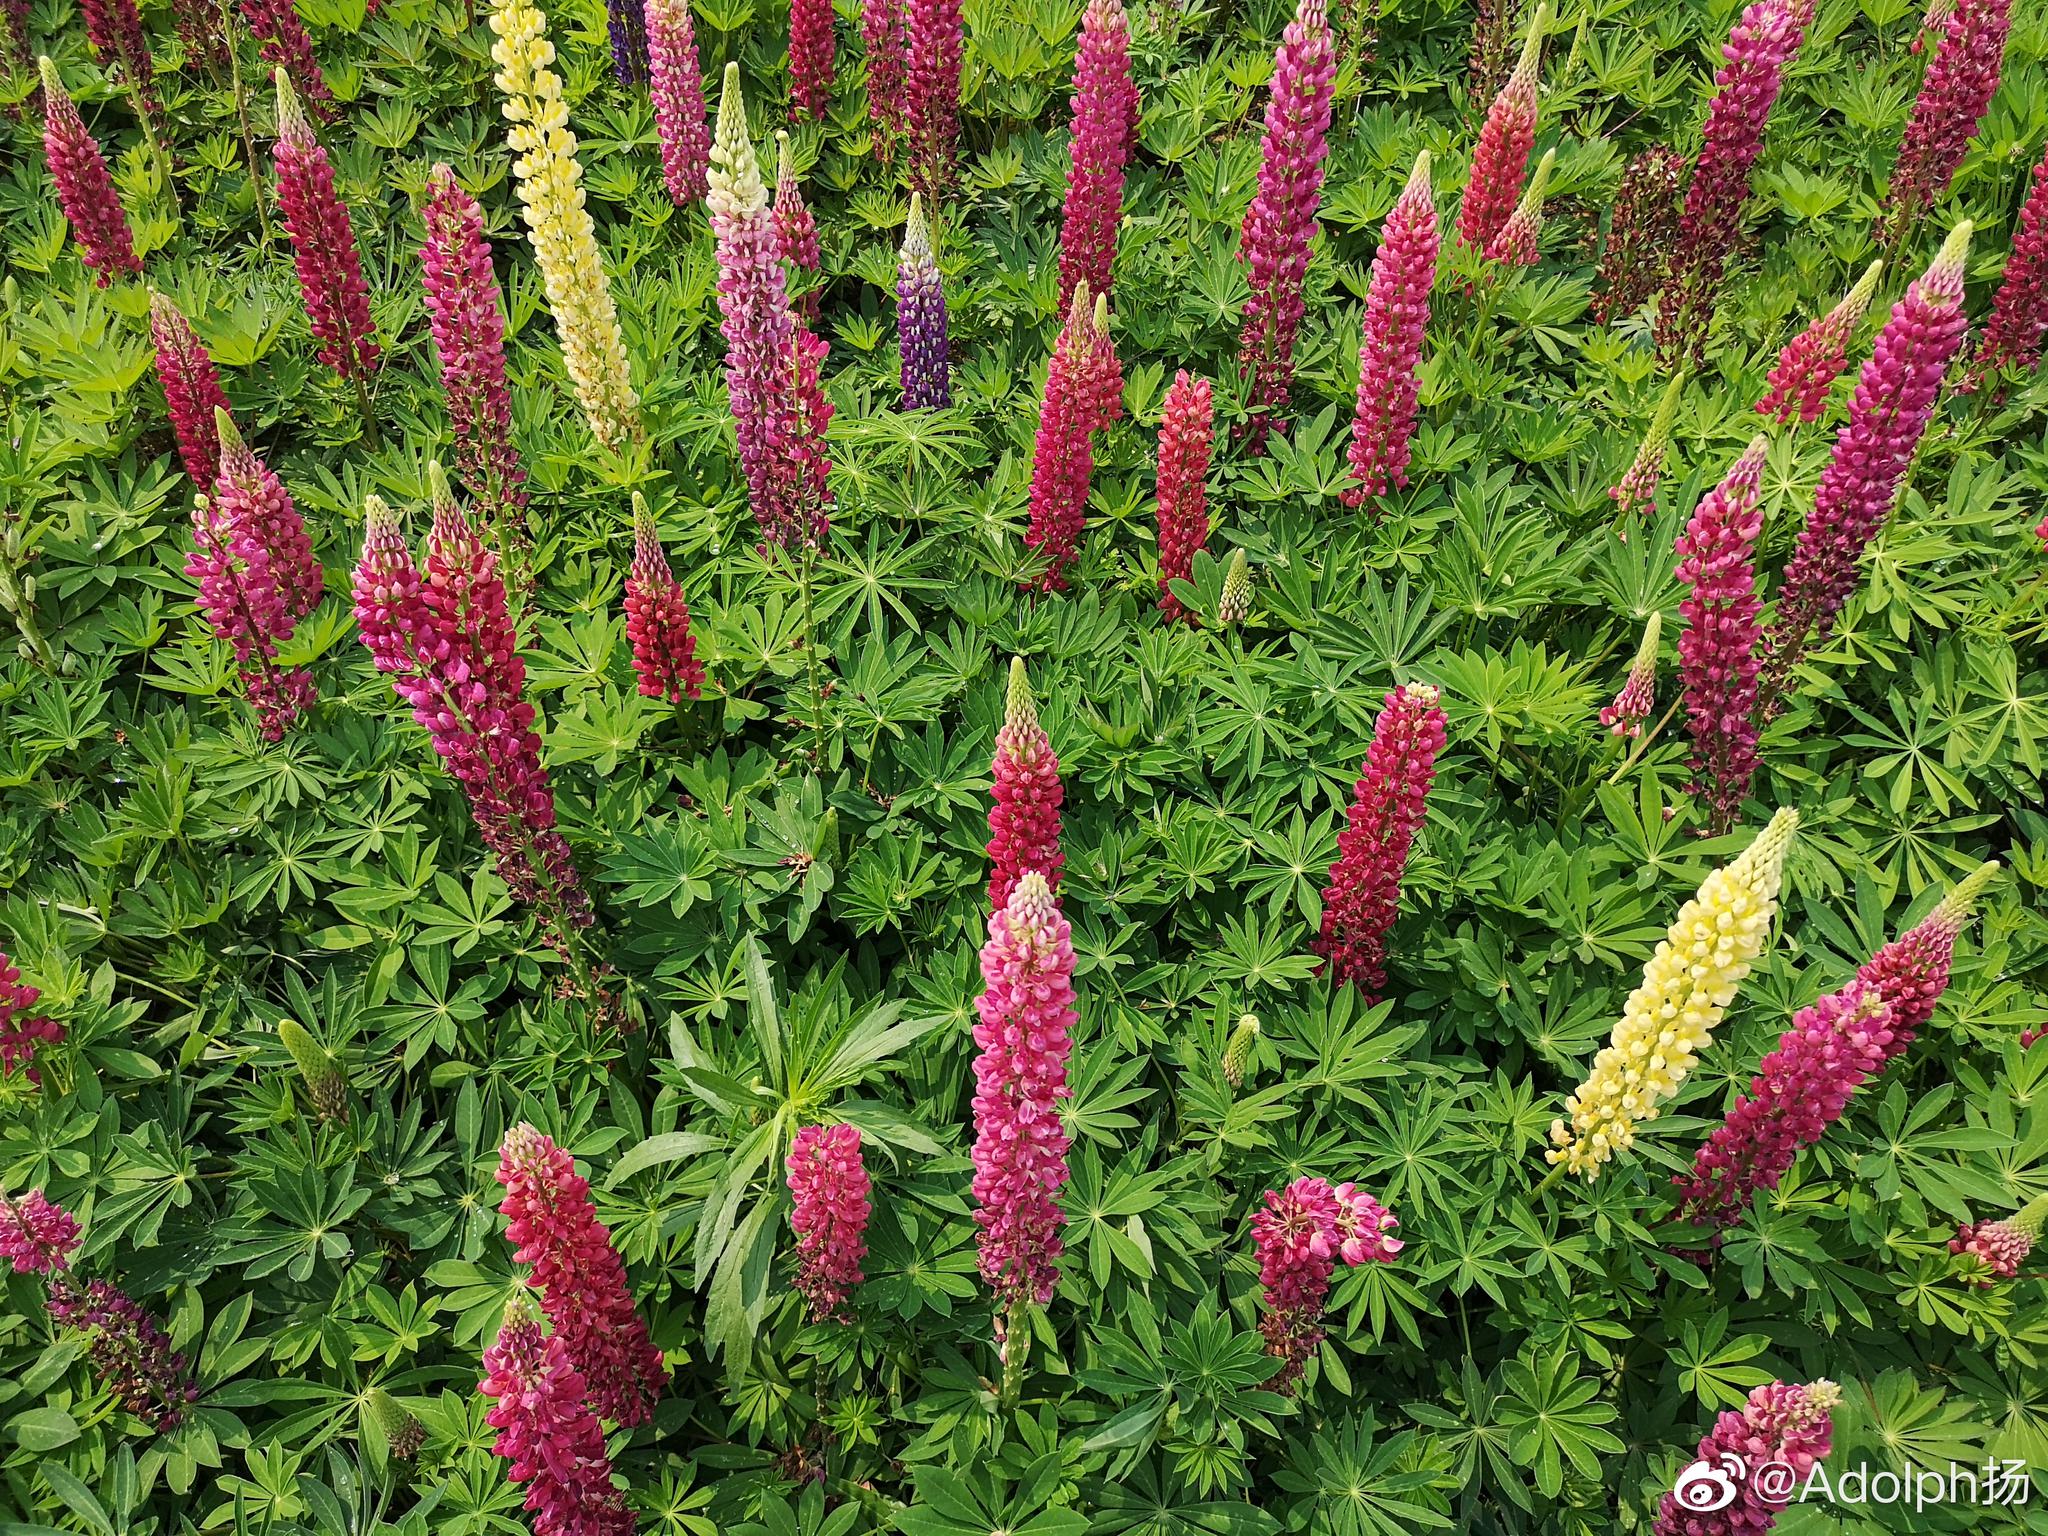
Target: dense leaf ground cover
[[300, 1010]]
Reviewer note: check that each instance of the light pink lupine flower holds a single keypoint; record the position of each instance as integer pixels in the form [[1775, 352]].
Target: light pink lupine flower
[[1186, 438], [552, 1440], [469, 341], [1781, 1424], [1718, 652], [191, 388], [85, 190], [1299, 1235], [2019, 314], [1083, 395], [828, 1191], [1813, 360], [1105, 129], [934, 35], [2001, 1247], [810, 57], [1638, 696], [1024, 818], [1390, 353], [1501, 157], [1954, 96], [323, 243], [675, 84]]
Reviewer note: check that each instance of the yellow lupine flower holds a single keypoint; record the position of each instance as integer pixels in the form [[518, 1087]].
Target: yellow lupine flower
[[563, 236], [1671, 1015]]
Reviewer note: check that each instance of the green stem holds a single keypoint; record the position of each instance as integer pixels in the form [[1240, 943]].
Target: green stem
[[803, 572], [1550, 1182], [1016, 1345], [367, 411], [1642, 743]]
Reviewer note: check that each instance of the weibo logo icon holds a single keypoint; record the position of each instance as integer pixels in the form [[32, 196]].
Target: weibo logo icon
[[1706, 1486]]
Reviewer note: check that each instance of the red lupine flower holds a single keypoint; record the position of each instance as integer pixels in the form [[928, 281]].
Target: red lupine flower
[[658, 620], [130, 1352], [1640, 235], [828, 1191], [85, 191], [1954, 96], [1781, 1424], [2001, 1247], [1186, 437], [37, 1236], [1388, 806], [1638, 696], [1024, 821], [114, 30], [1299, 1235], [552, 1440], [881, 36], [284, 43], [934, 36], [580, 1278], [21, 1031], [1813, 360], [469, 341], [2019, 315], [323, 243], [201, 27], [1718, 654], [1083, 395], [1105, 129], [1026, 1017], [1501, 157], [675, 84], [191, 388], [796, 232], [1396, 315], [810, 57]]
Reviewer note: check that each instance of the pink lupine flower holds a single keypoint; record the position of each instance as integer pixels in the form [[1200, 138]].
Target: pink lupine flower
[[1515, 243], [1640, 235], [1105, 129], [828, 1191], [1299, 1235], [1759, 47], [1281, 220], [2001, 1247], [675, 84], [810, 57], [113, 28], [130, 1352], [796, 232], [1186, 438], [1894, 401], [1813, 360], [1718, 655], [1396, 315], [85, 190], [1083, 395], [1024, 821], [553, 1441], [191, 388], [284, 43], [1388, 806], [581, 1280], [1026, 1013], [1911, 972], [2019, 314], [37, 1236], [1637, 491], [323, 243], [21, 1031], [1501, 157], [1954, 96], [658, 619], [469, 341], [881, 37], [1781, 1423], [934, 35], [1638, 696]]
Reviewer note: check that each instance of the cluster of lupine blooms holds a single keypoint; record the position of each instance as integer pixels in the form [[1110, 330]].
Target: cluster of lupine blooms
[[1781, 1424], [22, 1030], [1299, 1235]]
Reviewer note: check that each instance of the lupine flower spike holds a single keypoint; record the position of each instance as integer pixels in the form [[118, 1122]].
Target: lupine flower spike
[[1299, 1235], [2019, 314], [553, 1442], [326, 1083], [85, 190], [1281, 220], [1486, 54], [1894, 401], [1813, 360], [675, 84], [1237, 1051], [1933, 23], [130, 1352], [1515, 244], [323, 243], [881, 37], [1638, 696], [1640, 235], [113, 29], [580, 1279], [921, 318], [1718, 652], [1388, 807], [1911, 972], [796, 232], [37, 1236], [828, 1192], [1390, 353], [1024, 820], [404, 1433], [1999, 1248], [1781, 1425], [469, 342], [22, 1031], [1501, 157], [1234, 603], [627, 24], [1672, 1014], [1186, 438], [191, 388], [1637, 492], [934, 37], [1954, 96], [1083, 395], [563, 235], [284, 43], [1105, 127], [810, 57], [658, 619]]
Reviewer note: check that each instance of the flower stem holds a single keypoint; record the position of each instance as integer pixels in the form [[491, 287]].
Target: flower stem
[[1642, 742]]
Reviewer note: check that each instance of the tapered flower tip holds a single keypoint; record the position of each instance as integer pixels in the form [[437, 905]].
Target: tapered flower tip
[[1102, 314], [1959, 904], [378, 518], [2030, 1216], [440, 495], [1524, 77], [1235, 604], [1418, 185], [1945, 273], [1539, 181], [735, 174], [641, 516], [523, 1143], [1249, 1024], [292, 122], [1762, 861], [1750, 466], [917, 233], [1020, 709], [785, 161], [1823, 1395], [1646, 651], [161, 308], [1313, 15], [1081, 308], [230, 434], [1031, 907], [519, 1308], [1857, 299], [1425, 694], [52, 81]]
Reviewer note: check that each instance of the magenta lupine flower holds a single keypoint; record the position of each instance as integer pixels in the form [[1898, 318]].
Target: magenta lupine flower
[[191, 388], [1933, 20], [828, 1191], [1105, 128], [130, 1352], [1396, 315], [1026, 1014], [469, 341], [113, 28], [1781, 1423], [882, 38], [1186, 439], [553, 1441], [1281, 220], [2019, 314], [21, 1031], [1894, 401], [1024, 821], [796, 232], [1638, 696], [921, 338], [934, 35], [1954, 96], [581, 1280], [626, 24], [658, 619], [1800, 1089], [323, 243], [810, 57], [85, 191], [1762, 42], [1388, 806], [2001, 1247], [1299, 1235], [1083, 395], [1500, 159], [1640, 235], [1911, 972], [1718, 653], [37, 1236], [1814, 359], [1515, 243], [675, 84], [284, 43]]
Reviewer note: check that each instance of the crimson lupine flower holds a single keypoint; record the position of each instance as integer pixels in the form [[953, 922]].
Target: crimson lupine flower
[[1281, 220], [1105, 129], [1934, 19], [1780, 1424], [1638, 696], [1911, 972], [1026, 1017], [881, 36], [675, 84], [627, 26], [284, 43], [1501, 157], [1299, 1235], [1024, 821], [85, 191], [551, 1438], [1718, 654], [20, 1030], [1762, 42], [934, 35], [1515, 244], [469, 341], [828, 1191], [796, 232], [1186, 438], [130, 1352], [1396, 315], [2001, 1247], [1388, 805], [2019, 315], [810, 57], [1954, 96], [1894, 402], [921, 318], [1813, 360], [191, 388], [1640, 235], [323, 243], [1083, 395], [1637, 491], [37, 1236], [658, 620], [581, 1281]]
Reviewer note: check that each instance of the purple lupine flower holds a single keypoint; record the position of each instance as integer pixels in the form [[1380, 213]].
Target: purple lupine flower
[[626, 24], [921, 318], [2001, 1247], [37, 1235], [22, 1031], [796, 232], [1641, 232], [130, 1352], [1396, 315]]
